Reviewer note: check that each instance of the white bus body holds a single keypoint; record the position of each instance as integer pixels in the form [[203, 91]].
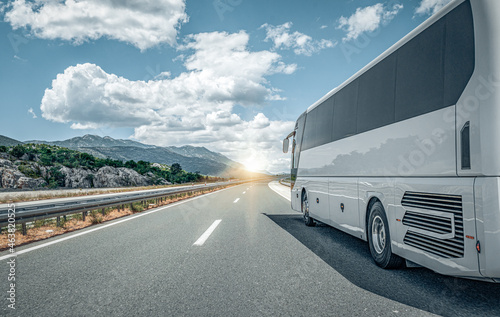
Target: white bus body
[[417, 130]]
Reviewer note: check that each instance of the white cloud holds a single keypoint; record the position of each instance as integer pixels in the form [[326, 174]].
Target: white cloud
[[193, 108], [367, 19], [143, 24], [32, 113], [301, 44], [323, 27], [431, 6], [20, 59]]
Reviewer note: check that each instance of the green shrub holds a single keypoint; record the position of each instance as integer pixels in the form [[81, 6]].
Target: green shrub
[[29, 171], [95, 217], [137, 207], [77, 216]]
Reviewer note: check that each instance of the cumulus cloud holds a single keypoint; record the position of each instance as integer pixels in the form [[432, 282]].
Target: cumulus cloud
[[143, 24], [32, 113], [367, 19], [193, 108], [301, 44], [431, 6]]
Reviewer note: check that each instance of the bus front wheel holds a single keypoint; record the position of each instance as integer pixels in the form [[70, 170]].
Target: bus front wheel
[[379, 239], [305, 211]]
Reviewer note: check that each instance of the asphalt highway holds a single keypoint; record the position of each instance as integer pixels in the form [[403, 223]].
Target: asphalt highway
[[237, 252]]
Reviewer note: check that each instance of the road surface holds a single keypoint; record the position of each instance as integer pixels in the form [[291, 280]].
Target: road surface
[[237, 252]]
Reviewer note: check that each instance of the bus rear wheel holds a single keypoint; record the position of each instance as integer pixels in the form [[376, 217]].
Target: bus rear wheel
[[379, 239], [305, 211]]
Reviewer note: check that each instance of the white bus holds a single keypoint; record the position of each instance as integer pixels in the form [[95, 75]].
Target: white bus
[[406, 153]]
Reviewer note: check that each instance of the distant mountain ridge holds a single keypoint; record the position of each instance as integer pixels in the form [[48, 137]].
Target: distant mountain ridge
[[90, 140], [6, 141], [191, 158], [159, 155]]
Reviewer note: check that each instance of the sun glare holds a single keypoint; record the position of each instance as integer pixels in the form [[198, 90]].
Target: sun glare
[[254, 165]]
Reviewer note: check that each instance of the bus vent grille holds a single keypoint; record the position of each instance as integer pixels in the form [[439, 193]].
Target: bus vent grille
[[446, 248], [428, 222]]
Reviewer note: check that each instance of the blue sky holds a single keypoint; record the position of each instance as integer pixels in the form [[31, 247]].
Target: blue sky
[[230, 75]]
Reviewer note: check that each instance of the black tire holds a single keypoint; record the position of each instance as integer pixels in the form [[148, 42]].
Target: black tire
[[379, 239], [305, 211]]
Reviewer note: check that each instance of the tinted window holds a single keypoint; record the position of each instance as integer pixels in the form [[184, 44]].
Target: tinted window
[[459, 52], [376, 95], [309, 131], [344, 111], [299, 131], [420, 78], [325, 121]]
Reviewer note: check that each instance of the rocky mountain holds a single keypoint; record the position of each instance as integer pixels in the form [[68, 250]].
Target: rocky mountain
[[90, 140], [159, 155], [14, 175], [203, 153], [6, 141], [191, 158]]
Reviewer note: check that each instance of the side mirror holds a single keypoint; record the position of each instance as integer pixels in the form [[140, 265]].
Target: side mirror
[[286, 144]]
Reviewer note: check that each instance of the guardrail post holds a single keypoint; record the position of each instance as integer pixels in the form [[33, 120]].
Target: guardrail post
[[24, 229], [103, 212], [58, 221], [84, 214]]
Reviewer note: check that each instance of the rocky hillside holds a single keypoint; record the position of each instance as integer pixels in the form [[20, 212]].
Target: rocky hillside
[[11, 176], [31, 166], [192, 158]]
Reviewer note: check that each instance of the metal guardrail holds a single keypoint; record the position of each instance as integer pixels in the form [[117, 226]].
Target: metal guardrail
[[286, 182], [29, 212]]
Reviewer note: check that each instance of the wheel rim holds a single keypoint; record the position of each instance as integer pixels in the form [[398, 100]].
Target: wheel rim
[[378, 234], [305, 208]]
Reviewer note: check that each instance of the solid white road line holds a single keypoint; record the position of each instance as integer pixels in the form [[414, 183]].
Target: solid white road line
[[105, 226], [236, 200], [281, 190], [207, 233]]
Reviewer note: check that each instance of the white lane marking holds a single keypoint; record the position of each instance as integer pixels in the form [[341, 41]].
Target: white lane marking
[[244, 192], [207, 233], [105, 226], [283, 191], [236, 200]]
